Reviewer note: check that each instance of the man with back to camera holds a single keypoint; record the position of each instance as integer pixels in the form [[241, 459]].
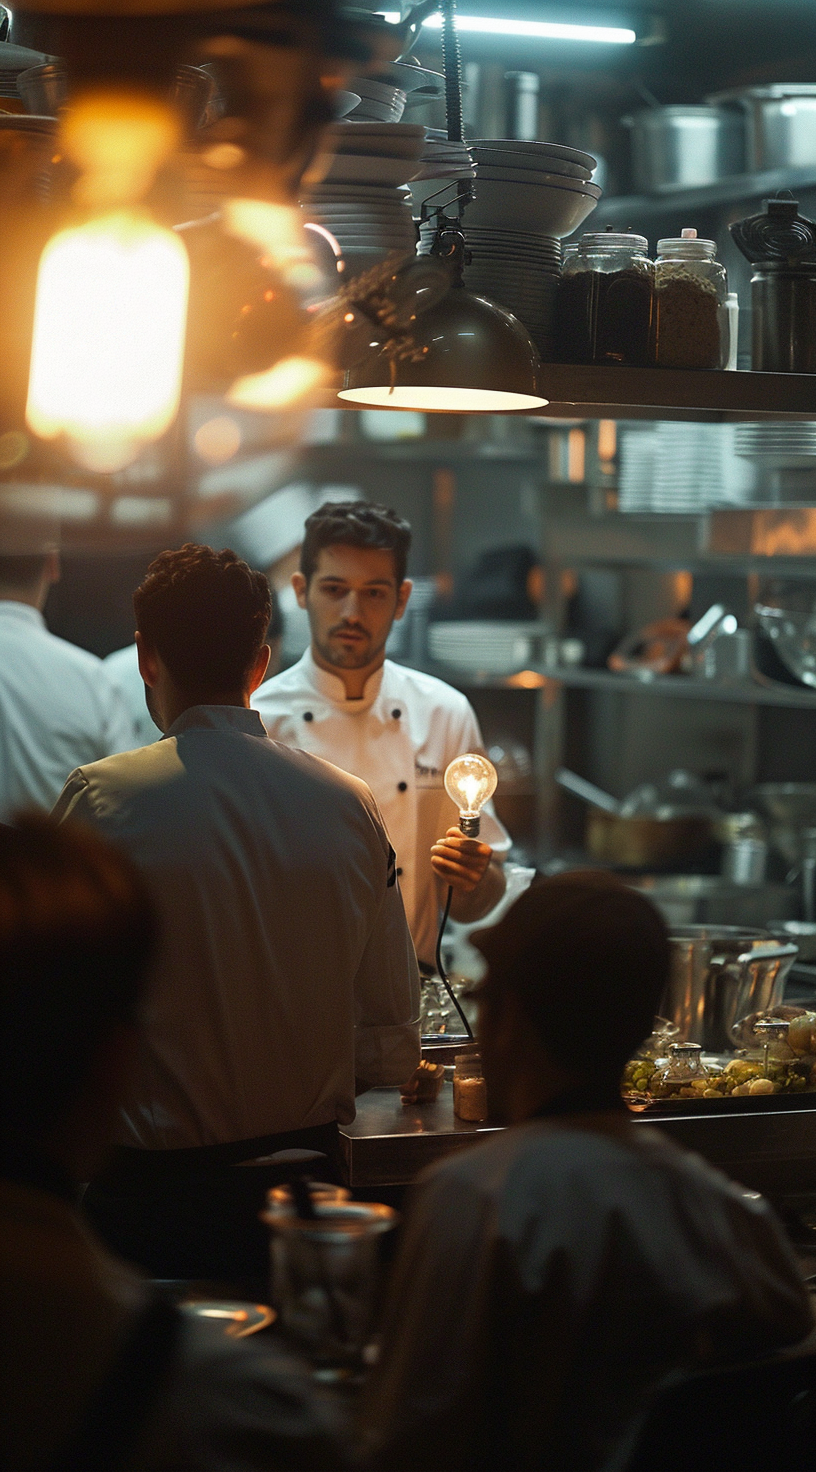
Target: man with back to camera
[[57, 705], [286, 969], [396, 728], [549, 1279], [97, 1371]]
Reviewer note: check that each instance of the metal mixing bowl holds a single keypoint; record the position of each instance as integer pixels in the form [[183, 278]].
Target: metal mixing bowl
[[720, 973]]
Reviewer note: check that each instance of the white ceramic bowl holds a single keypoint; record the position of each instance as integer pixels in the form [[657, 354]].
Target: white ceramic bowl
[[543, 208]]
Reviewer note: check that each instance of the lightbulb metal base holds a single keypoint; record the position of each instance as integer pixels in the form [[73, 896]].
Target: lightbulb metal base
[[470, 826]]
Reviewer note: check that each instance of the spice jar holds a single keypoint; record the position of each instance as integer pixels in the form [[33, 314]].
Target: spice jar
[[469, 1087], [605, 301], [691, 315]]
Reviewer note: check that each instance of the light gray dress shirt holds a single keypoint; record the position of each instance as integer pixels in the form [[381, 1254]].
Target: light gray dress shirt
[[286, 966], [550, 1278], [58, 709]]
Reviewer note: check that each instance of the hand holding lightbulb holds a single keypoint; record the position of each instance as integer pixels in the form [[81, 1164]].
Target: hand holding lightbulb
[[459, 858]]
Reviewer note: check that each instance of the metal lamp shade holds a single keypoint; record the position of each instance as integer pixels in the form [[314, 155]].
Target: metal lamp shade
[[479, 359]]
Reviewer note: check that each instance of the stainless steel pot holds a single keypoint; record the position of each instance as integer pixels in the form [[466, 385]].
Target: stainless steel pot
[[718, 975], [681, 146], [780, 123]]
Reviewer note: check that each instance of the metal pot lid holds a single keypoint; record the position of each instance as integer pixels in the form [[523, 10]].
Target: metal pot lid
[[779, 234]]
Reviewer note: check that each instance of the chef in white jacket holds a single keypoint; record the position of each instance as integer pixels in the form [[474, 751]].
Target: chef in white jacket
[[394, 727]]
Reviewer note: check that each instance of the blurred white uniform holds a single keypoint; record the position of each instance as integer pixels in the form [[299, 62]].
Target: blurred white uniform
[[58, 709], [398, 738], [123, 668]]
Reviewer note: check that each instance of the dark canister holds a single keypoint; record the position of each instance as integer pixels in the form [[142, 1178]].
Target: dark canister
[[781, 246]]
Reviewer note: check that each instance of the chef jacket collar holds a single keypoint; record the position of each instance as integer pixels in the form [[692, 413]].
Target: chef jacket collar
[[218, 718], [331, 687], [25, 612]]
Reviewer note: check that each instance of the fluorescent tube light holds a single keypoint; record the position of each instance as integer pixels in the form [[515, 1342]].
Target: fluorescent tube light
[[543, 30]]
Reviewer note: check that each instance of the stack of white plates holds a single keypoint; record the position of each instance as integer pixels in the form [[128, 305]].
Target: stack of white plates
[[363, 197], [380, 102], [486, 648], [13, 61], [777, 446]]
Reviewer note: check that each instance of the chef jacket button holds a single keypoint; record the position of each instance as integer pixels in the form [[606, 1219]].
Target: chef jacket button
[[396, 714], [399, 872], [402, 786], [307, 715]]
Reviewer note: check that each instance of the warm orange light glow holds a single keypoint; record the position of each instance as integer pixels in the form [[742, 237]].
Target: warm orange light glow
[[218, 439], [118, 140], [291, 381], [527, 680], [109, 326]]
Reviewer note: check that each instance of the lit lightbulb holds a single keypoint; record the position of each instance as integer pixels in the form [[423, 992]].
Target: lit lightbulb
[[470, 782], [111, 305]]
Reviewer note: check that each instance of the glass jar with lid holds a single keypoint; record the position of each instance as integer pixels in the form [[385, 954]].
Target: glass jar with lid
[[469, 1087], [684, 1076], [691, 312], [605, 301]]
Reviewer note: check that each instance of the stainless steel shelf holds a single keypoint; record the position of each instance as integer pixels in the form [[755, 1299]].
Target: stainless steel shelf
[[682, 687]]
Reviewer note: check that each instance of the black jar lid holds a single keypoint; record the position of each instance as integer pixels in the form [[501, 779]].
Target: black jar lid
[[780, 234]]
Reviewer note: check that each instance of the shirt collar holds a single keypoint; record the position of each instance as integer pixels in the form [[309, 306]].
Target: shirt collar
[[218, 718], [331, 687], [25, 612]]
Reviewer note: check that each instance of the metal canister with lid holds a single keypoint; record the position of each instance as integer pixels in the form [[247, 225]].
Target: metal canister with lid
[[691, 316], [605, 301], [781, 245]]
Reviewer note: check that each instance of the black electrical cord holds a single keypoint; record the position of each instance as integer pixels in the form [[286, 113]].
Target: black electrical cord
[[441, 969], [452, 67]]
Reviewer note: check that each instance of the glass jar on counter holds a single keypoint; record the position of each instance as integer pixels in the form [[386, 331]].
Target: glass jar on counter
[[469, 1088], [684, 1076], [605, 301], [691, 313]]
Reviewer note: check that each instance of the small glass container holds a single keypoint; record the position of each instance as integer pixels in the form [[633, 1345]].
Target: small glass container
[[691, 311], [684, 1076], [605, 301], [469, 1088]]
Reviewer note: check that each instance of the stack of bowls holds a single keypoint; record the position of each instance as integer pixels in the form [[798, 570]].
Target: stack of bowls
[[362, 197], [14, 60], [380, 102], [441, 162], [527, 197]]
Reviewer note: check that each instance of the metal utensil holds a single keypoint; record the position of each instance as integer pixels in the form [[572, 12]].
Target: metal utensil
[[587, 791], [718, 975]]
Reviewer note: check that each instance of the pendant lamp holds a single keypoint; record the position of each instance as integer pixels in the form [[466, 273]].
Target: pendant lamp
[[467, 355]]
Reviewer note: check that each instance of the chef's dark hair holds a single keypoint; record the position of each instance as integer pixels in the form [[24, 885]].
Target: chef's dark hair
[[589, 959], [355, 524], [206, 614], [77, 930]]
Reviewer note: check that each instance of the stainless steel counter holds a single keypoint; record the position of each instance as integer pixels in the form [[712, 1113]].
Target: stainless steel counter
[[768, 1149]]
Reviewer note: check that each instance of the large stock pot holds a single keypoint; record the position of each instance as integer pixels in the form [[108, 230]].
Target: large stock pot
[[718, 975]]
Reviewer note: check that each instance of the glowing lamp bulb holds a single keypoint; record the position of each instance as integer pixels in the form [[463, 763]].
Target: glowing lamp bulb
[[109, 331], [470, 782]]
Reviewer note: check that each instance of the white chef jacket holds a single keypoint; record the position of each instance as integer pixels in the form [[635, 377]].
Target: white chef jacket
[[58, 708], [398, 738], [286, 966], [573, 1268]]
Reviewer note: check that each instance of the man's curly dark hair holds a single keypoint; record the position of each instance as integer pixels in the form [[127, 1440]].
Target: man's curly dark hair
[[206, 614], [355, 524]]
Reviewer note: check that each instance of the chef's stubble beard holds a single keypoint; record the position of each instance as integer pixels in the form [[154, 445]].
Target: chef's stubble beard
[[348, 659]]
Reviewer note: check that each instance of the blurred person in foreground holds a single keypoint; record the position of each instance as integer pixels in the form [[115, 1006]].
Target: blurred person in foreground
[[285, 981], [97, 1370], [396, 728], [550, 1278], [58, 706]]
